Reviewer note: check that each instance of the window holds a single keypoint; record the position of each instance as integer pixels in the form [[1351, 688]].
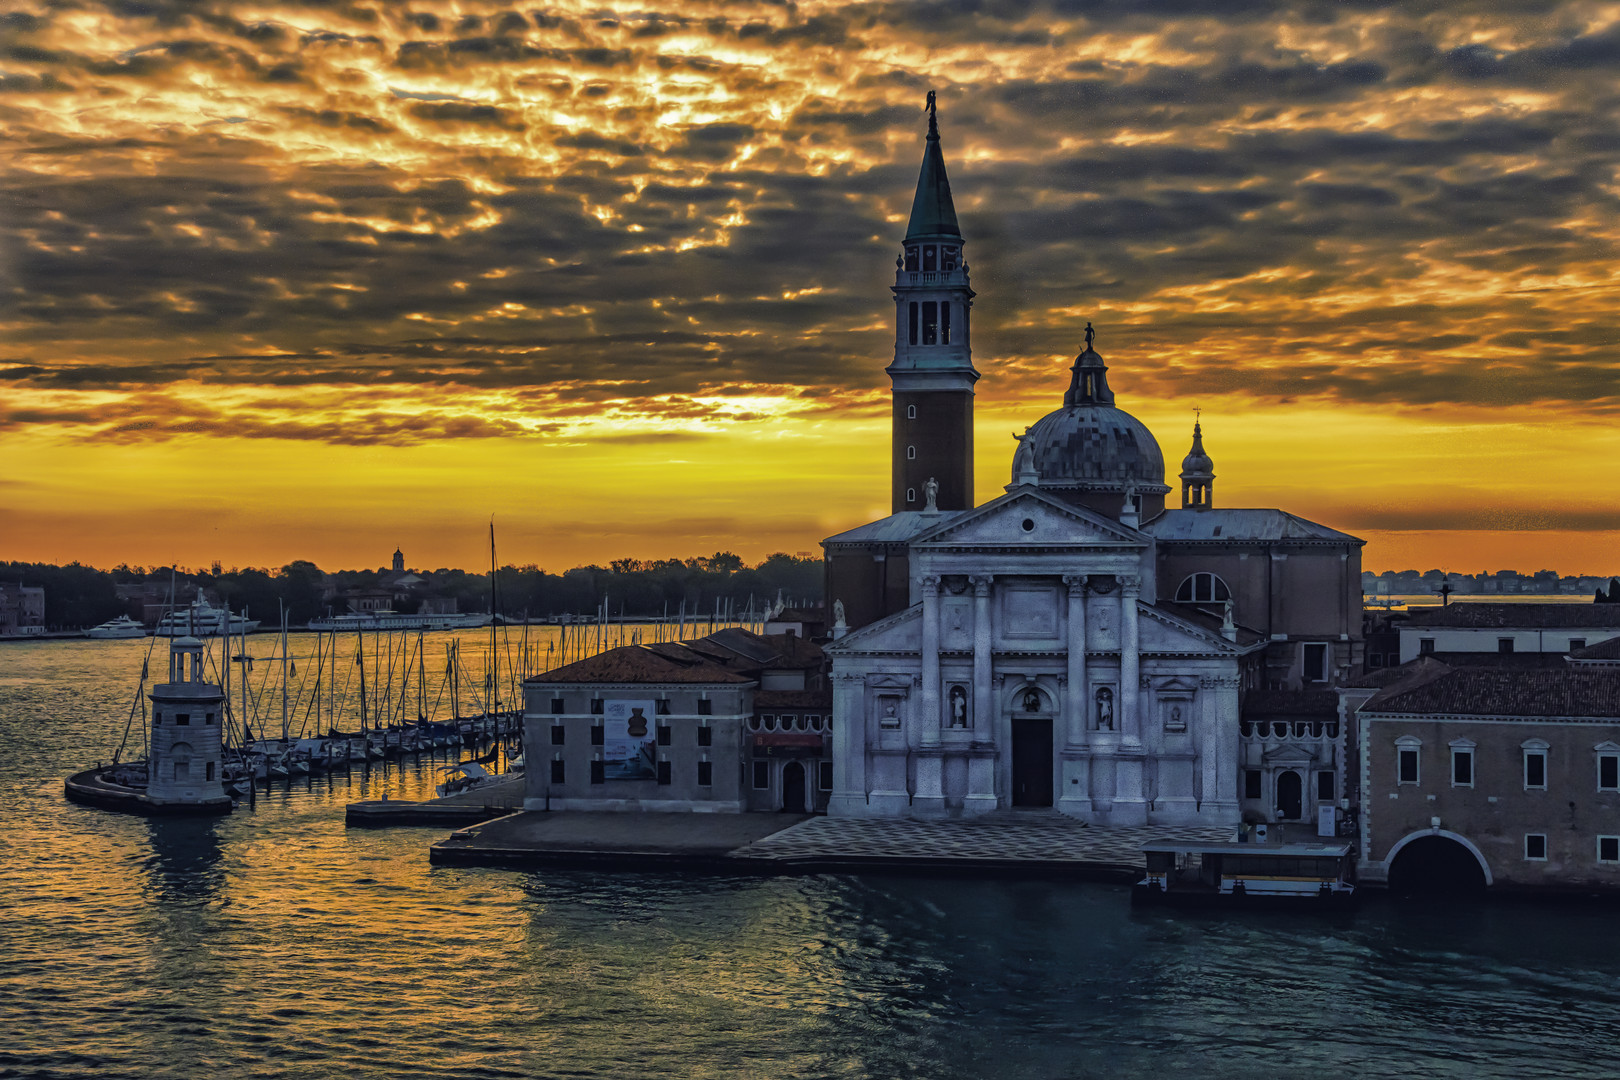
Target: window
[[705, 707], [911, 495], [1251, 783], [1406, 752], [947, 258], [598, 707], [930, 258], [208, 771], [559, 735], [182, 770], [664, 734], [944, 322], [911, 259], [1325, 786], [1462, 763], [558, 773], [182, 718], [598, 734], [762, 775], [705, 771], [1203, 589], [1535, 846], [911, 412], [705, 736], [598, 774], [1314, 661], [663, 706], [208, 718], [1426, 646], [824, 775], [663, 771], [914, 322], [1608, 849], [1375, 659], [1504, 644], [1609, 772], [556, 706], [1577, 643], [1535, 764], [930, 323], [911, 453]]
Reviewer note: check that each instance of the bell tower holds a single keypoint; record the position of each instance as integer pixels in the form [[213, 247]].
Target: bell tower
[[932, 375]]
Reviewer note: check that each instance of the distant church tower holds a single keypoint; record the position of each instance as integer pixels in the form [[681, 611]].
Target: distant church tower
[[932, 374], [399, 561], [1197, 475]]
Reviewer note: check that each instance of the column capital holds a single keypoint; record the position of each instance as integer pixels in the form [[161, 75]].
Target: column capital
[[1130, 585], [1076, 583], [930, 584], [981, 583]]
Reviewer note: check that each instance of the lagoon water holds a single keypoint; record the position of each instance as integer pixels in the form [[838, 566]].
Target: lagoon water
[[275, 943]]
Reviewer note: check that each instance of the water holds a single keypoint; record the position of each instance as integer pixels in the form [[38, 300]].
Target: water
[[274, 943]]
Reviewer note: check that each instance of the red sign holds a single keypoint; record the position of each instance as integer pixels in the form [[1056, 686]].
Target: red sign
[[788, 738]]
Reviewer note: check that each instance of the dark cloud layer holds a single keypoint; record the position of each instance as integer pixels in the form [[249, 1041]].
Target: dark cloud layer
[[1346, 202]]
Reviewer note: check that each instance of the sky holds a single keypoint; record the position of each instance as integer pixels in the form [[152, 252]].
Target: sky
[[314, 280]]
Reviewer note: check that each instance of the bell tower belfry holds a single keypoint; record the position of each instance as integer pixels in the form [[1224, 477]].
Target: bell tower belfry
[[932, 374]]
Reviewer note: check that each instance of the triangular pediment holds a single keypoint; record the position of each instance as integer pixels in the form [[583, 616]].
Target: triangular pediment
[[1288, 755], [1029, 517], [900, 632], [1161, 631]]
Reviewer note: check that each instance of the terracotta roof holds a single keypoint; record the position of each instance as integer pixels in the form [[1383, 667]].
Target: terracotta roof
[[1291, 703], [1501, 660], [1533, 616], [640, 664], [1603, 650], [1500, 692], [1408, 673], [793, 699], [743, 650]]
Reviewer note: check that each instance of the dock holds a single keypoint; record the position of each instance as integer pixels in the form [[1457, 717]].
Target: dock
[[1006, 845], [467, 808]]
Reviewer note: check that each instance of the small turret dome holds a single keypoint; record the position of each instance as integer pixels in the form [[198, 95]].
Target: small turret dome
[[1197, 463], [1197, 474]]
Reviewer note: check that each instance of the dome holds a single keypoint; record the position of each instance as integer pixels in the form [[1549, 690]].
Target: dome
[[1095, 447], [1090, 444]]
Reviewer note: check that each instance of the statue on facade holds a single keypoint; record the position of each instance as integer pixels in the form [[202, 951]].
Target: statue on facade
[[930, 494], [1032, 701], [838, 613], [1105, 709], [958, 707], [1090, 334]]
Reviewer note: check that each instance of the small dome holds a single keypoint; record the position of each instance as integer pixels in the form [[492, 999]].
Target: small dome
[[185, 643], [1095, 447], [1197, 463]]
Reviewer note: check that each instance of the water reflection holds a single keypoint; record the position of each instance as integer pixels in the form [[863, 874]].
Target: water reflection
[[185, 867]]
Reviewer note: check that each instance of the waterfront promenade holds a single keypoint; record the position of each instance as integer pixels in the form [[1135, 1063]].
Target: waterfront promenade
[[1013, 844]]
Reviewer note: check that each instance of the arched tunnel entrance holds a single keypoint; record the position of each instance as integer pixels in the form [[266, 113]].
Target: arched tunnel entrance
[[1436, 866]]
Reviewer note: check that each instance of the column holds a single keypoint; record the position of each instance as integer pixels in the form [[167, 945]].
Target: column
[[1224, 803], [1130, 663], [983, 700], [1210, 735], [1079, 691], [849, 746], [930, 661], [929, 795]]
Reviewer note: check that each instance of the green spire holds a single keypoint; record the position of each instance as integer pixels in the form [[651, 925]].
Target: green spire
[[933, 215]]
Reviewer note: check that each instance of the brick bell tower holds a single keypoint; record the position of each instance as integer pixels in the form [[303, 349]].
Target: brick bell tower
[[932, 374]]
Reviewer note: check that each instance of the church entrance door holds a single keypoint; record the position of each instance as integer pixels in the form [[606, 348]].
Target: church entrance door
[[1290, 796], [1032, 760], [793, 787]]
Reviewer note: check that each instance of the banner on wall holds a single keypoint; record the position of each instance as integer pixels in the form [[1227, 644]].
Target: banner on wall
[[630, 741]]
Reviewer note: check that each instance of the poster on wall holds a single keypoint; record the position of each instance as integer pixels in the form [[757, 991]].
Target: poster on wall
[[629, 750]]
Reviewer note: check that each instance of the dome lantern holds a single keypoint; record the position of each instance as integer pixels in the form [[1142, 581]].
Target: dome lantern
[[1197, 474]]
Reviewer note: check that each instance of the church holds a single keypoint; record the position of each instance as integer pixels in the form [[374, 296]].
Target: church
[[1075, 643]]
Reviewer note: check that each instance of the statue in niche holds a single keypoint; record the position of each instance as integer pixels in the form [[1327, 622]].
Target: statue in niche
[[958, 707], [1032, 701], [1105, 709], [1176, 723], [889, 718]]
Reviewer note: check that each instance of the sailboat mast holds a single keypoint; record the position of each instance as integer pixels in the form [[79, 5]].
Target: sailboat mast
[[283, 677], [493, 672]]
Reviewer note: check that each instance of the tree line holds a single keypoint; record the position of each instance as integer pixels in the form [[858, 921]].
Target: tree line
[[80, 596]]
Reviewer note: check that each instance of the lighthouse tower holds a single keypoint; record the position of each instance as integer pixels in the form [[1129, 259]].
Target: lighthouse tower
[[932, 374], [183, 768]]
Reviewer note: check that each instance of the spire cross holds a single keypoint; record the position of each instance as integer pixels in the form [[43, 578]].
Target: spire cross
[[933, 114]]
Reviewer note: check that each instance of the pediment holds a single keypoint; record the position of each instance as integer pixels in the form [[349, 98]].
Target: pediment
[[1029, 518], [1288, 755], [900, 632], [1159, 631]]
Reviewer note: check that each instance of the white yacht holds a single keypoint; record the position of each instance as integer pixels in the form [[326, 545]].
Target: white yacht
[[394, 620], [121, 627], [202, 619]]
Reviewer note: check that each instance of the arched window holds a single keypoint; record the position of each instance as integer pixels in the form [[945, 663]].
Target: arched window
[[911, 412], [1203, 589], [911, 453], [911, 495]]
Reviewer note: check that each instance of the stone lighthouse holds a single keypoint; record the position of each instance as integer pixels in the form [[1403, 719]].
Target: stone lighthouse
[[184, 766]]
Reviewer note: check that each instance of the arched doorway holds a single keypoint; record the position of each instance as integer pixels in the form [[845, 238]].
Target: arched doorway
[[793, 787], [1290, 796], [1436, 866], [1031, 749]]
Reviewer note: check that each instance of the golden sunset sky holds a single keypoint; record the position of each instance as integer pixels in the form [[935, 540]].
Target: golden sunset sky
[[312, 280]]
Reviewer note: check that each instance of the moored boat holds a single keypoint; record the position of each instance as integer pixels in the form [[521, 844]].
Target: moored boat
[[121, 627], [1192, 874]]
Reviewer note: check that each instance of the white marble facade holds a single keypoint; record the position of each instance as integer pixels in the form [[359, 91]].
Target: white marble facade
[[1030, 671]]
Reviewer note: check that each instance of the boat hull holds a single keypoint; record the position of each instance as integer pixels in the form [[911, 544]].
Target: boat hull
[[1146, 894]]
